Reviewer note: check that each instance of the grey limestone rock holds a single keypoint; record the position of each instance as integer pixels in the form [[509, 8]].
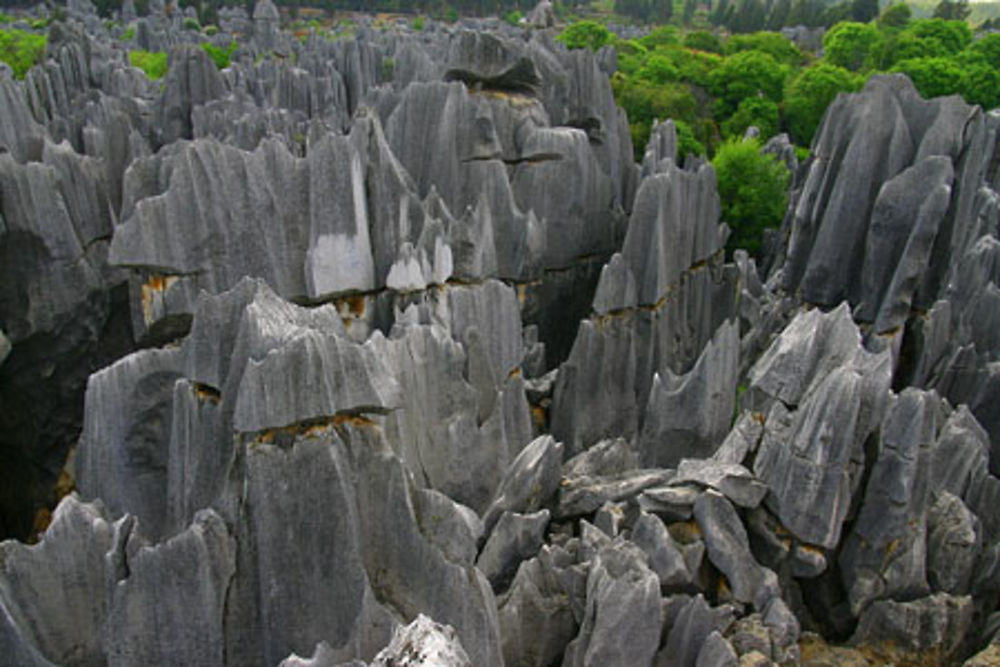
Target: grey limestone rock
[[20, 134], [885, 553], [53, 595], [516, 537], [733, 481], [423, 643], [840, 390], [729, 550], [170, 606], [583, 495], [192, 80], [621, 624], [932, 626], [676, 218], [717, 652], [689, 632], [669, 262], [453, 528], [530, 481], [665, 556], [662, 145], [537, 619], [608, 457], [954, 542], [688, 416]]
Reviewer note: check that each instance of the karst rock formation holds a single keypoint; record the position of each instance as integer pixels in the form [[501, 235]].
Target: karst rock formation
[[384, 350]]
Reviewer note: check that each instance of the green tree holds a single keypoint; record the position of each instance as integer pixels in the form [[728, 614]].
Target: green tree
[[864, 11], [952, 11], [665, 35], [980, 84], [746, 74], [808, 96], [851, 45], [753, 189], [702, 40], [687, 143], [657, 68], [988, 47], [933, 77], [644, 102], [585, 35], [758, 111], [895, 16], [952, 35], [774, 44]]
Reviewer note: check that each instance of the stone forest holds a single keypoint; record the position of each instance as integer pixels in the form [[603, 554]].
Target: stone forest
[[395, 347]]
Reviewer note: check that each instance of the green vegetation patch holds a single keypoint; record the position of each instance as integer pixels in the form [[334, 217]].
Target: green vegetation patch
[[220, 55], [754, 191], [153, 63], [21, 50]]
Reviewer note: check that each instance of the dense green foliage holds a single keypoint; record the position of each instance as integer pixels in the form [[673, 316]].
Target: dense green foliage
[[746, 74], [220, 56], [810, 93], [753, 188], [585, 35], [153, 63], [719, 85], [21, 50], [852, 45]]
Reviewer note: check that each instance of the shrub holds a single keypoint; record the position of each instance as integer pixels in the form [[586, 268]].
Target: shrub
[[753, 190], [153, 63], [21, 50], [128, 35], [191, 24], [418, 23], [585, 35], [220, 56]]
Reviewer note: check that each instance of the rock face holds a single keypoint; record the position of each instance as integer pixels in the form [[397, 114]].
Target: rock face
[[355, 334]]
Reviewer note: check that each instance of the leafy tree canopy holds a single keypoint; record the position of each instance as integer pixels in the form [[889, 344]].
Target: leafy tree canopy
[[746, 74], [585, 35], [851, 45], [808, 96], [933, 77], [753, 189]]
